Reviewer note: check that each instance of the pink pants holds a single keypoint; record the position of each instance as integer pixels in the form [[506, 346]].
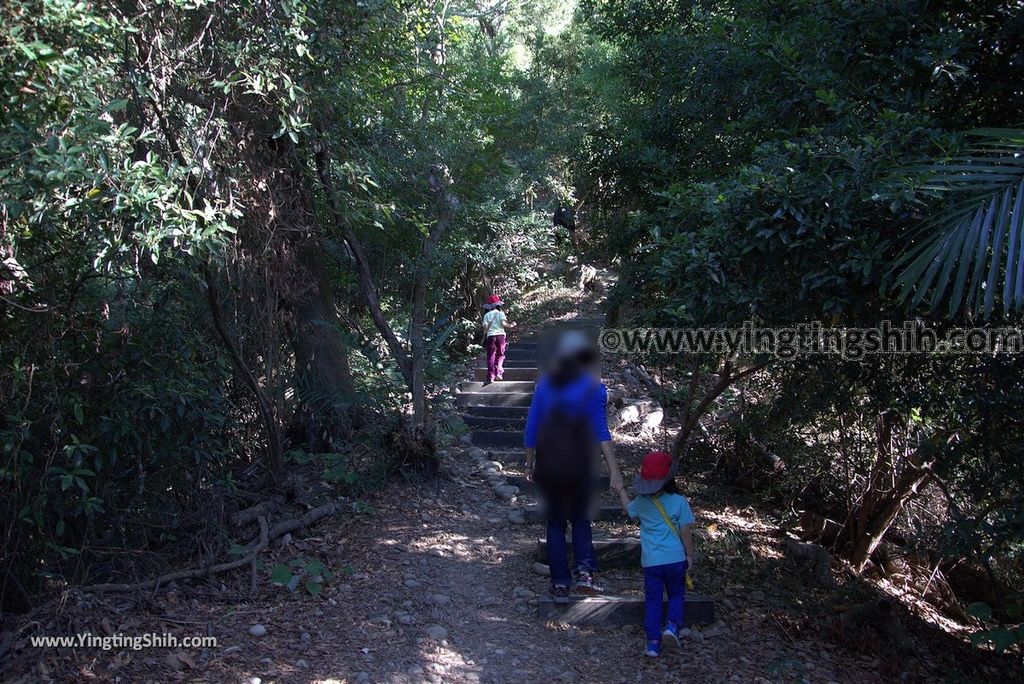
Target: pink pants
[[495, 356]]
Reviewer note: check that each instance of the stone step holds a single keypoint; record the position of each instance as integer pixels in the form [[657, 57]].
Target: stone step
[[521, 345], [527, 362], [616, 611], [535, 513], [494, 398], [528, 374], [529, 487], [611, 553], [520, 355], [503, 386], [519, 412], [497, 438], [488, 423]]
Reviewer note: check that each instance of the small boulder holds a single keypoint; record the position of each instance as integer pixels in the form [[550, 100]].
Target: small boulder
[[437, 632], [507, 492], [258, 631]]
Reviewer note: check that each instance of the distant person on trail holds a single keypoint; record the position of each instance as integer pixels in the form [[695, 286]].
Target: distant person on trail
[[494, 324], [666, 546], [566, 428], [563, 217]]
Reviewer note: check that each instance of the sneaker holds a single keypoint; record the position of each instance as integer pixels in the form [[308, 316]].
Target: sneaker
[[671, 635], [560, 594], [653, 648], [585, 584]]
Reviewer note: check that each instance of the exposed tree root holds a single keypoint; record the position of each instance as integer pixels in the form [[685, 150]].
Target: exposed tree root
[[251, 550]]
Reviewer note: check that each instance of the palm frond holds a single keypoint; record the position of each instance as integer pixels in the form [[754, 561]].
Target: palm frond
[[973, 248]]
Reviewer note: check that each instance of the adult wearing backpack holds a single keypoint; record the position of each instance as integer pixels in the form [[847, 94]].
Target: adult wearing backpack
[[566, 429]]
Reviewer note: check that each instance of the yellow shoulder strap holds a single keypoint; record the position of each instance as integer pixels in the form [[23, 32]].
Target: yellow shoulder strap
[[664, 514]]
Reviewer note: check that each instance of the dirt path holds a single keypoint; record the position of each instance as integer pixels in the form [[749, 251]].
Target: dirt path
[[435, 583]]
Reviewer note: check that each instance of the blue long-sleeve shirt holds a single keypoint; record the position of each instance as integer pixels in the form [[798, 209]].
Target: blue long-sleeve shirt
[[577, 394]]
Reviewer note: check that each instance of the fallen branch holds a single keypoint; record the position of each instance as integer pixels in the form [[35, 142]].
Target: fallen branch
[[306, 519], [253, 513], [260, 544], [252, 549]]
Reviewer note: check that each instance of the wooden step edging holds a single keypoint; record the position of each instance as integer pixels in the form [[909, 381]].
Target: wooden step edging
[[617, 611], [611, 553]]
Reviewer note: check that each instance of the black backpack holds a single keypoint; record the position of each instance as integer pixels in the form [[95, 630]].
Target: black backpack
[[566, 447]]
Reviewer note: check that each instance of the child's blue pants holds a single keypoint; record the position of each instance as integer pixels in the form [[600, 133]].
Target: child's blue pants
[[659, 580]]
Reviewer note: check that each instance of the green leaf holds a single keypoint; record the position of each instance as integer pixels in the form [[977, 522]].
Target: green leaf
[[281, 574], [980, 610], [313, 588], [1002, 638]]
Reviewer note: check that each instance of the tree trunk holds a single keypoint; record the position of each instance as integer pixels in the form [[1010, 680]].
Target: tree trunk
[[692, 414], [274, 463], [445, 207], [886, 510], [869, 522], [322, 368], [366, 285]]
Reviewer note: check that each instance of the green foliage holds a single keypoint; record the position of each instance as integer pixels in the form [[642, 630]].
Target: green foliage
[[311, 573], [972, 249], [144, 147], [1000, 637], [761, 160]]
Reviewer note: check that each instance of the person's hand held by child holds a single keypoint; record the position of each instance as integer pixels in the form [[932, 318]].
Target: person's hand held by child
[[615, 482]]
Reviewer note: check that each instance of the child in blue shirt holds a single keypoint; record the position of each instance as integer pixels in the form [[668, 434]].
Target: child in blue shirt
[[666, 546]]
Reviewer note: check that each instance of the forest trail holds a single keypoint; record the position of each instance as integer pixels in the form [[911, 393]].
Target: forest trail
[[438, 582]]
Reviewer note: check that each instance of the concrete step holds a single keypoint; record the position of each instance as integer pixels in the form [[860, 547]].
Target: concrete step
[[498, 386], [528, 487], [521, 345], [535, 513], [487, 423], [616, 611], [526, 362], [520, 354], [527, 374], [519, 412], [497, 438], [494, 398], [611, 553]]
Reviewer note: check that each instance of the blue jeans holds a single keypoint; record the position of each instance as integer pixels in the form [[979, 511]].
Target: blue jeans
[[558, 550], [659, 580]]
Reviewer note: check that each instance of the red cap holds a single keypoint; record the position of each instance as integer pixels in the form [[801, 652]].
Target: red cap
[[493, 299], [656, 466]]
